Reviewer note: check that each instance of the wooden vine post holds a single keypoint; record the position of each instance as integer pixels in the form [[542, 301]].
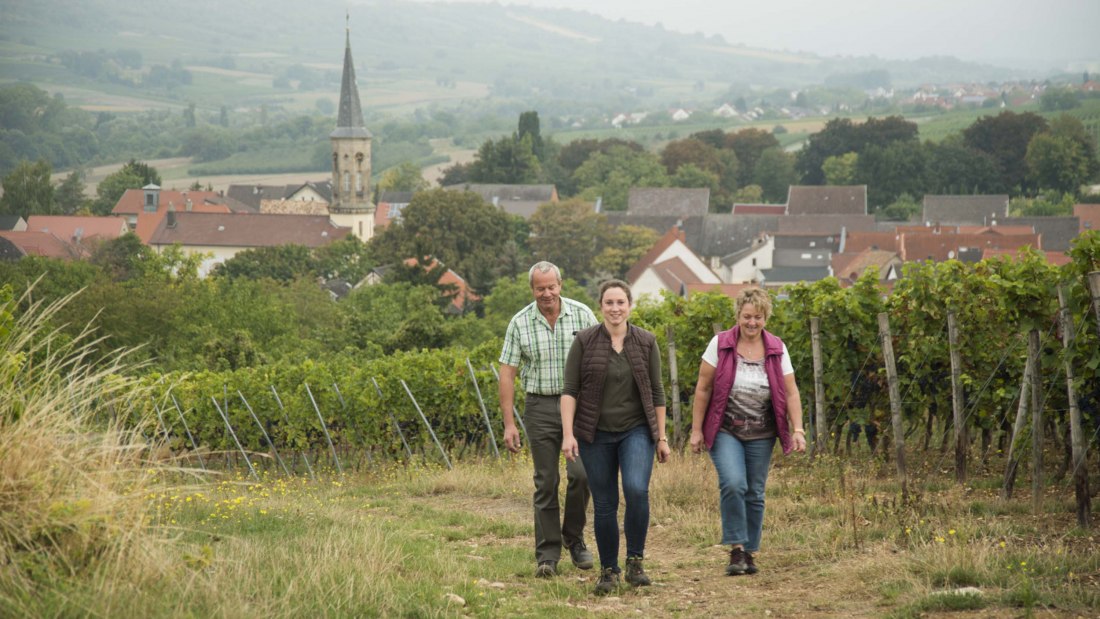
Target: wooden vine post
[[1077, 437], [895, 401], [674, 376], [1017, 430], [958, 414], [820, 423], [1036, 421]]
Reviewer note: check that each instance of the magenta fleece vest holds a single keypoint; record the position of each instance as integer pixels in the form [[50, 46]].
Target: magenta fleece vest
[[725, 373]]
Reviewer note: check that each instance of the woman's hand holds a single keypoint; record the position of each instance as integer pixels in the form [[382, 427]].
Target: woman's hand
[[569, 448], [697, 442], [798, 441], [664, 452]]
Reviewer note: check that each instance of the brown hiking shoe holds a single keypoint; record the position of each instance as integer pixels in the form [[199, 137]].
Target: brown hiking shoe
[[751, 569], [738, 564], [608, 582], [635, 575]]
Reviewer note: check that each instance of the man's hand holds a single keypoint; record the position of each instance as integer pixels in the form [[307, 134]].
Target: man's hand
[[511, 438]]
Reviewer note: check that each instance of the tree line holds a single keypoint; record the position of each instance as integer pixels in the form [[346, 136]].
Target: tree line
[[1043, 163]]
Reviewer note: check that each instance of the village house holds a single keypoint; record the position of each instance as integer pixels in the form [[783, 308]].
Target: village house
[[669, 266], [220, 236], [521, 200]]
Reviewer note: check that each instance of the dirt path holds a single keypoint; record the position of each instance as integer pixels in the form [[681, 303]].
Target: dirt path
[[689, 581]]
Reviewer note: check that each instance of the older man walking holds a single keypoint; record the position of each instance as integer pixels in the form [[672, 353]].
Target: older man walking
[[536, 344]]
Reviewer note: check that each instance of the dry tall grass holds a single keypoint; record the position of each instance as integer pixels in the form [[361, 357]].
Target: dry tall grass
[[74, 466]]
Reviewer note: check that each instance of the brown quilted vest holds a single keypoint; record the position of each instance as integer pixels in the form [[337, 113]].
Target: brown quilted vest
[[596, 344]]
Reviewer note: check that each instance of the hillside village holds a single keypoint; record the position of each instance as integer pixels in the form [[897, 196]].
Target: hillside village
[[819, 231]]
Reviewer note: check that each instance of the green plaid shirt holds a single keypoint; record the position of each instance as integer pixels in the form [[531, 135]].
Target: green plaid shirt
[[539, 351]]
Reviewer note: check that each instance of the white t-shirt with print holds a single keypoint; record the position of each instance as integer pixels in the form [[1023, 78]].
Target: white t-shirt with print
[[748, 414]]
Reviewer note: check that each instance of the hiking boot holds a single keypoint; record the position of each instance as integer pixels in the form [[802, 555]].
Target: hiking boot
[[738, 564], [582, 559], [546, 569], [751, 569], [608, 581], [635, 575]]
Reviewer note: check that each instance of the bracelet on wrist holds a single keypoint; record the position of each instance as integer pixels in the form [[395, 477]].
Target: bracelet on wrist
[[663, 438], [800, 431]]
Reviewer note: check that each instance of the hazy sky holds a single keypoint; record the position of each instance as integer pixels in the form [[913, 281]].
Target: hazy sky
[[1051, 33]]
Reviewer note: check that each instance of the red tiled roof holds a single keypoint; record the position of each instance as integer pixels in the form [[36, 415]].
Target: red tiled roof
[[674, 273], [827, 199], [940, 247], [41, 244], [133, 201], [935, 228], [78, 228], [759, 209], [674, 234], [1002, 230], [856, 242], [247, 230], [1056, 258], [851, 266]]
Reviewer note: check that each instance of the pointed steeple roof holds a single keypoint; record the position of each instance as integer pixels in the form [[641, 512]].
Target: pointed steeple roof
[[349, 122]]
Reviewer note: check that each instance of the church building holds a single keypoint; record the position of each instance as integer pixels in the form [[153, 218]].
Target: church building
[[351, 204]]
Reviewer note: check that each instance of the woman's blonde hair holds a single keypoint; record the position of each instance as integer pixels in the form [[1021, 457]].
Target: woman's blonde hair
[[758, 298]]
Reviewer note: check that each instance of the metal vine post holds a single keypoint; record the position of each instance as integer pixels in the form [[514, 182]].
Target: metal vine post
[[264, 431], [484, 411], [324, 427], [229, 427], [429, 426], [396, 426]]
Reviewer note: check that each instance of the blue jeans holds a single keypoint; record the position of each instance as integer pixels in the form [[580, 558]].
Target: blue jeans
[[742, 472], [630, 452]]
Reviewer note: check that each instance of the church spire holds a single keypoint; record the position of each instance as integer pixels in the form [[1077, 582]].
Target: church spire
[[349, 121]]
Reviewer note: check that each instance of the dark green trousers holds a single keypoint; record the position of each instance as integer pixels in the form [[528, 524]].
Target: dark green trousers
[[542, 417]]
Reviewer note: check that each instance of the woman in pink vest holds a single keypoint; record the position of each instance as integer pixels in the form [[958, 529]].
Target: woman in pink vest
[[745, 398]]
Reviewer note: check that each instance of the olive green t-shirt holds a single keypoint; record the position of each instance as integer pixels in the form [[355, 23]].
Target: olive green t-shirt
[[621, 408]]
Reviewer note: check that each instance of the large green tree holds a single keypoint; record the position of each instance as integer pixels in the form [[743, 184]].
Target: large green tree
[[749, 145], [28, 191], [890, 171], [509, 160], [955, 168], [1055, 162], [840, 169], [775, 173], [574, 154], [69, 194], [390, 317], [405, 176], [458, 228], [842, 135], [622, 248], [568, 234], [1005, 137], [283, 263], [611, 175]]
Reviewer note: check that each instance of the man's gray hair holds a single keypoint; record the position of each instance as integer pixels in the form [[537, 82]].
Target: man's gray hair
[[542, 267]]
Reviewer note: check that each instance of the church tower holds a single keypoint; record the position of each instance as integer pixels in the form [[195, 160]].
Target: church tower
[[351, 204]]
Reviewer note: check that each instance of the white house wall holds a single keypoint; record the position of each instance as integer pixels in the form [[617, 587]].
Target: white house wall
[[744, 270], [216, 254], [648, 284]]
